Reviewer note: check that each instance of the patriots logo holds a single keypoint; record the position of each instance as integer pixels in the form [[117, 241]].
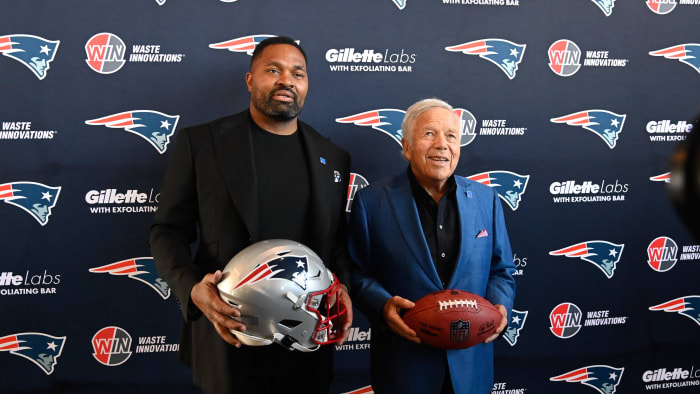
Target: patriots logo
[[685, 53], [400, 3], [603, 378], [361, 390], [604, 255], [289, 267], [34, 52], [142, 269], [514, 326], [503, 53], [41, 349], [245, 44], [386, 120], [687, 306], [605, 5], [35, 198], [155, 127], [665, 177], [509, 185], [605, 124]]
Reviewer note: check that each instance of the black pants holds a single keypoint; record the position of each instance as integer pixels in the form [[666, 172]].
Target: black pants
[[276, 370], [447, 382]]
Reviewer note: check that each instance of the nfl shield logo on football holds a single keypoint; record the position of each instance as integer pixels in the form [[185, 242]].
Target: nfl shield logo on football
[[459, 331]]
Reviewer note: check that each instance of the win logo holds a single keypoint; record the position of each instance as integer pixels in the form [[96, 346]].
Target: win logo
[[662, 253], [112, 346]]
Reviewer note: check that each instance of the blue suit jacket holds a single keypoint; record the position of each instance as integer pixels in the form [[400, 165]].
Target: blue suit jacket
[[391, 257]]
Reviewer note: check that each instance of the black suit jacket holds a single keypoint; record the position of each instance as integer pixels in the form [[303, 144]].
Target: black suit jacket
[[209, 194]]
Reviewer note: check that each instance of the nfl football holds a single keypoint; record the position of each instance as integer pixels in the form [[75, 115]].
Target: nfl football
[[453, 319]]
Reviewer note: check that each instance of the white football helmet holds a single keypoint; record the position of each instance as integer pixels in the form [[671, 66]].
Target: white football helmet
[[285, 294]]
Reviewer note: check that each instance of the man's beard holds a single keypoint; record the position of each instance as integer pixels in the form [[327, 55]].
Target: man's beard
[[276, 109]]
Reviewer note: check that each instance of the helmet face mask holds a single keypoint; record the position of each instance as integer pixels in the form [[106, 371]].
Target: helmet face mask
[[285, 294], [324, 304]]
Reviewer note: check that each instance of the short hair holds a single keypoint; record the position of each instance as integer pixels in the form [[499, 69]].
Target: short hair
[[273, 41], [416, 110]]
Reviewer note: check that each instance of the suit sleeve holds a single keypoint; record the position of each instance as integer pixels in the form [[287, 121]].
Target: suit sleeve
[[368, 294], [500, 288], [174, 228]]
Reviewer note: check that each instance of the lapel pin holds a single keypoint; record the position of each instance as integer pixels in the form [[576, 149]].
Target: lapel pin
[[336, 177], [322, 159], [469, 194]]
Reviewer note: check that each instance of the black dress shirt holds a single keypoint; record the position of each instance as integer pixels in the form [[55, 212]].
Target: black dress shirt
[[440, 223]]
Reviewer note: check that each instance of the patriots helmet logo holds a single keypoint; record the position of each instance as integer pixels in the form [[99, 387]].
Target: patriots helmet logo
[[605, 5], [288, 267], [665, 177], [34, 52], [687, 306], [685, 53], [603, 378], [503, 53], [514, 326], [605, 124], [245, 44], [142, 269], [509, 185], [35, 198], [603, 254], [400, 3], [41, 349], [155, 127], [386, 120]]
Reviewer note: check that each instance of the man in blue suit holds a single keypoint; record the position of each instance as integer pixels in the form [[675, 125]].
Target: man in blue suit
[[419, 232]]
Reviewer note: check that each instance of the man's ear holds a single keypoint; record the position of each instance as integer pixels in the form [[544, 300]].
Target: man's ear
[[249, 81], [406, 149]]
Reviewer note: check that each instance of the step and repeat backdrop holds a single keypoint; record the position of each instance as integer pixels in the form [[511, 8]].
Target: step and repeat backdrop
[[570, 110]]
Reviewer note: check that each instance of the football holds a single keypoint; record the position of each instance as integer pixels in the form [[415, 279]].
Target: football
[[453, 319]]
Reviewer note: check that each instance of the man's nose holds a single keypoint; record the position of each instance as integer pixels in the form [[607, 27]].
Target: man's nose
[[285, 79], [440, 141]]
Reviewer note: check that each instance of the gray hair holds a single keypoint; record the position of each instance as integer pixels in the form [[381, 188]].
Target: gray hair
[[416, 110]]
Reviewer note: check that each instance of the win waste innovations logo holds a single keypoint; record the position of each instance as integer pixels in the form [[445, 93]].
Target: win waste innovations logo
[[107, 53]]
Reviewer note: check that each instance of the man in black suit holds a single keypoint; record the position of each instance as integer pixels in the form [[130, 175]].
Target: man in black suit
[[260, 174]]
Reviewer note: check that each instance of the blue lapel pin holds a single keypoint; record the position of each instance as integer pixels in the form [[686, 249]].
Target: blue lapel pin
[[469, 194], [322, 159]]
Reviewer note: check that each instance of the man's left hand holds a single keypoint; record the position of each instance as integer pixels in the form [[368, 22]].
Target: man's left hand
[[502, 326], [346, 321]]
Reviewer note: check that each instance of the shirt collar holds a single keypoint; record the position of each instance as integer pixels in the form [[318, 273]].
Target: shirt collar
[[418, 190]]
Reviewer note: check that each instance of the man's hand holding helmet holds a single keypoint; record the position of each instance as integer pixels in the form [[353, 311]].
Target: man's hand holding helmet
[[206, 296]]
